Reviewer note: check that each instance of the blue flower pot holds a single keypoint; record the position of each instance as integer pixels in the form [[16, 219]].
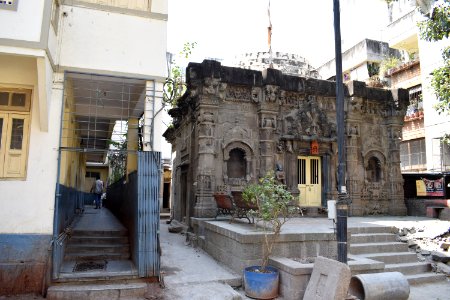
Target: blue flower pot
[[261, 285]]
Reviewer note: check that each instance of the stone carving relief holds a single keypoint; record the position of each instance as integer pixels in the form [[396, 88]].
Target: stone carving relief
[[288, 98], [353, 130], [256, 94], [239, 94], [236, 132], [271, 93], [212, 86], [356, 105], [308, 120], [204, 182], [268, 122], [375, 197], [206, 124]]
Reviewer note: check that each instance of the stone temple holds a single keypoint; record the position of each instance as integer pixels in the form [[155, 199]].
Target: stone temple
[[233, 125], [287, 63]]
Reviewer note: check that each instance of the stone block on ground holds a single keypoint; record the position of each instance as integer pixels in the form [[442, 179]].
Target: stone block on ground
[[445, 214], [441, 257], [445, 246], [330, 279]]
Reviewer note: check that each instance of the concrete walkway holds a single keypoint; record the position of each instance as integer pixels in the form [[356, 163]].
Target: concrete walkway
[[189, 273]]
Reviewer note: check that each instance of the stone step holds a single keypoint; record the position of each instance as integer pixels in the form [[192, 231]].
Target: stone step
[[97, 276], [408, 268], [97, 291], [102, 248], [78, 240], [359, 238], [101, 233], [425, 278], [372, 229], [393, 257], [378, 247], [94, 255]]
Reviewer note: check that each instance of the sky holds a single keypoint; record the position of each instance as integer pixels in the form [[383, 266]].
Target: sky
[[224, 29]]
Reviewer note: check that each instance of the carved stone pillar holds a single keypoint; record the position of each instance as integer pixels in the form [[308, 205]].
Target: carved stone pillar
[[395, 192], [205, 206], [267, 142]]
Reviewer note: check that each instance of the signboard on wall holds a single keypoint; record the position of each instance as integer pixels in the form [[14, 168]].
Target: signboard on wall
[[428, 187]]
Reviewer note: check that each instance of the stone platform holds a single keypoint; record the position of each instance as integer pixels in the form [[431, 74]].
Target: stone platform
[[238, 245]]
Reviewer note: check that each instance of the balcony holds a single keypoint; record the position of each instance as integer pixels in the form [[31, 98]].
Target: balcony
[[402, 33], [152, 8]]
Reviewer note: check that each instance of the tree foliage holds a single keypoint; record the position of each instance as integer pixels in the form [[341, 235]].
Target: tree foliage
[[117, 159], [272, 200], [175, 86], [436, 28]]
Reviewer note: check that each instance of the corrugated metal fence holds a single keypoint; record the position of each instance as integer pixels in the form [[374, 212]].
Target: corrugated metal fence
[[149, 181]]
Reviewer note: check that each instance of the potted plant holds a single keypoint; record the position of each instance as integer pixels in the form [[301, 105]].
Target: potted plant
[[272, 201]]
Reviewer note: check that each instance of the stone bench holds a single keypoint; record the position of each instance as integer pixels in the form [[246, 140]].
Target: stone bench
[[435, 206]]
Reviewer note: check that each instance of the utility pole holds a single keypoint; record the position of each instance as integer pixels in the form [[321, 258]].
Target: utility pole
[[342, 203]]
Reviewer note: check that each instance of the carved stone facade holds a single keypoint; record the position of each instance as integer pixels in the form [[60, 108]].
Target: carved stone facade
[[233, 125]]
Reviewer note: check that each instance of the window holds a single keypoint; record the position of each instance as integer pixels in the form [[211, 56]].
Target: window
[[440, 155], [14, 132], [237, 164], [413, 155]]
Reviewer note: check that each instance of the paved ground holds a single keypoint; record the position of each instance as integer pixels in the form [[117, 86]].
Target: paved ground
[[191, 274]]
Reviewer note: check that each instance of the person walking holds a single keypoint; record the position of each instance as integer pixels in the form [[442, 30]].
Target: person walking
[[97, 189]]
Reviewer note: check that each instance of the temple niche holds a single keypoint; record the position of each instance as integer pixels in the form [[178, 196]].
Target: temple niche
[[233, 125]]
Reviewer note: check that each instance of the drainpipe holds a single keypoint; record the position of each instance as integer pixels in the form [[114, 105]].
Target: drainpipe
[[342, 204]]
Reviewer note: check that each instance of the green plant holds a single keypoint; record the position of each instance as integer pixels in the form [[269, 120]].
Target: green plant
[[272, 200], [388, 63], [175, 86]]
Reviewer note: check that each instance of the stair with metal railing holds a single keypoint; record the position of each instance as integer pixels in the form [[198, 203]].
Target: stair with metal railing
[[97, 261]]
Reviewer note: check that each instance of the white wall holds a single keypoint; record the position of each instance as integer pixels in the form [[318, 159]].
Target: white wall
[[27, 205], [160, 6], [23, 24], [436, 125], [99, 40]]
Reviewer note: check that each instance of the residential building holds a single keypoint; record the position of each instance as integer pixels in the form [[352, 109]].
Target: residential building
[[71, 73], [422, 149]]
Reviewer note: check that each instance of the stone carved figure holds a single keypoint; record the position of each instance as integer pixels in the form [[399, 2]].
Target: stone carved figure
[[256, 93], [211, 85], [271, 93]]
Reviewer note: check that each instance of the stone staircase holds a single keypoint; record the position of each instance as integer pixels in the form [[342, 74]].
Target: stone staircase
[[87, 245], [97, 265], [380, 244]]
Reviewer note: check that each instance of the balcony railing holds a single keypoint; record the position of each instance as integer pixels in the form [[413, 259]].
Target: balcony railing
[[133, 5]]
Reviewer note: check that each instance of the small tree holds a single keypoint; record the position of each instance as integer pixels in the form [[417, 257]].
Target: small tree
[[175, 86], [272, 200]]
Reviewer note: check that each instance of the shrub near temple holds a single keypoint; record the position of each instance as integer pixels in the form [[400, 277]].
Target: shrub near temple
[[272, 200]]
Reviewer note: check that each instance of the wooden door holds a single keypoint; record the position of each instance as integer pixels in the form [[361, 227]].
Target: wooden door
[[309, 181], [15, 152], [3, 121]]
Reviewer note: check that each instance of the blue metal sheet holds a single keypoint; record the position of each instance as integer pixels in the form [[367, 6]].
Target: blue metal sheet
[[149, 180]]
